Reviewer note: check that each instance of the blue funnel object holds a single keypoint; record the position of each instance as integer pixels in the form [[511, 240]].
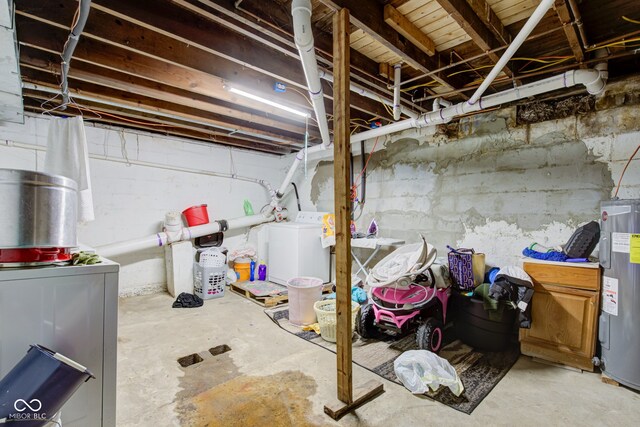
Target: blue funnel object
[[38, 386]]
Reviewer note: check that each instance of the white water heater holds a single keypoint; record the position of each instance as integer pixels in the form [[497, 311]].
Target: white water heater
[[295, 249]]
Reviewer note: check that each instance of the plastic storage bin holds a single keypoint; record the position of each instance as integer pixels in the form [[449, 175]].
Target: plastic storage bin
[[303, 292], [326, 313], [39, 385], [210, 274]]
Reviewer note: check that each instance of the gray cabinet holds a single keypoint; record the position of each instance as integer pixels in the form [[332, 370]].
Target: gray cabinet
[[71, 310]]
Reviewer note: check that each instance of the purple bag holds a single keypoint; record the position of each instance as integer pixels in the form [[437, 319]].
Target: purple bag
[[461, 268]]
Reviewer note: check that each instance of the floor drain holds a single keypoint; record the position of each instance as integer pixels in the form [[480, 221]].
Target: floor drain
[[189, 360], [219, 349]]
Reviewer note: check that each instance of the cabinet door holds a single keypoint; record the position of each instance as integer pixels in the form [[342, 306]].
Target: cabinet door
[[563, 323]]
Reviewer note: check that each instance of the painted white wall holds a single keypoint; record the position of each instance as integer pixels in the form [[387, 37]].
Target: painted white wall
[[131, 201]]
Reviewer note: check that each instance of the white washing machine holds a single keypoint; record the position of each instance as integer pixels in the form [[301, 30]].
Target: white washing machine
[[295, 249]]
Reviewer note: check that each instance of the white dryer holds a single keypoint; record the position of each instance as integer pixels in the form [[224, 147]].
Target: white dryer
[[295, 249]]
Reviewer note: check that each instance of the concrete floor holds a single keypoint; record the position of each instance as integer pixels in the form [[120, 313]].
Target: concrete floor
[[272, 378]]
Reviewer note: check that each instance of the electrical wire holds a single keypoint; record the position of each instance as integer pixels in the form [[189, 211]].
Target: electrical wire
[[354, 187], [633, 21], [624, 170], [115, 116], [295, 189], [618, 43], [428, 84], [301, 93]]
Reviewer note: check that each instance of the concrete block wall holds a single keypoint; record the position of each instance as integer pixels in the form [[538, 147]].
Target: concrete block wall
[[496, 187], [131, 200]]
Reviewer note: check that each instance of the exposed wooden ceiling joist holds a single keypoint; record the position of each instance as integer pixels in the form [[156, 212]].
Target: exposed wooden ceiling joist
[[246, 120], [98, 93], [401, 24], [369, 17], [276, 18], [473, 25]]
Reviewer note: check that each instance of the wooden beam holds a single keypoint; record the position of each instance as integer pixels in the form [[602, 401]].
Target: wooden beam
[[386, 70], [342, 202], [278, 16], [127, 99], [562, 10], [137, 120], [199, 32], [226, 14], [471, 23], [342, 208], [369, 17], [361, 395], [398, 22], [206, 71], [490, 19], [235, 116]]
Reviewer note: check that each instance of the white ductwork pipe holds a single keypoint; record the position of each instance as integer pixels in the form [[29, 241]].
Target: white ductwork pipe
[[594, 80], [301, 12], [397, 77], [531, 23], [171, 234]]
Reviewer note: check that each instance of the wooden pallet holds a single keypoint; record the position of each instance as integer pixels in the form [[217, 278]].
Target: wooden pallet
[[267, 300]]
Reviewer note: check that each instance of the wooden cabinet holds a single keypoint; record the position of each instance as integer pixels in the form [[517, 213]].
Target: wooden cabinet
[[564, 313]]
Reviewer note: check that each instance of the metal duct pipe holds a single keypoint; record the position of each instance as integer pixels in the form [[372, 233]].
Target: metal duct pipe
[[531, 23], [301, 12], [67, 52]]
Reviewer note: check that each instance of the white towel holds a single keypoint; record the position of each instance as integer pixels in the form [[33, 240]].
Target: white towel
[[67, 155]]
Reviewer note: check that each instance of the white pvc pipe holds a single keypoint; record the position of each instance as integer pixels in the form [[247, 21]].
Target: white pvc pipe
[[531, 23], [296, 162], [593, 80], [397, 76], [188, 233], [356, 88], [301, 12]]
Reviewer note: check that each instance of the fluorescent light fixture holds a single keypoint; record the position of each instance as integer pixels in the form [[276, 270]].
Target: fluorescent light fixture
[[269, 102]]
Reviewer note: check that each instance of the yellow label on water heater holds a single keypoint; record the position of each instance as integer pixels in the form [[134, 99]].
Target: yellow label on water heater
[[634, 252]]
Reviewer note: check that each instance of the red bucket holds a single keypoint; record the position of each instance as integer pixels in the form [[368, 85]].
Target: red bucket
[[196, 215]]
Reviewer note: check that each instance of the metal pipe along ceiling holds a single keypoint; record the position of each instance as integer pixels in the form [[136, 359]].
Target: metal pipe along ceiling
[[67, 52]]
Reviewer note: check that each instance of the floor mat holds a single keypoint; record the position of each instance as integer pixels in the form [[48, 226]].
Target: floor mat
[[479, 371]]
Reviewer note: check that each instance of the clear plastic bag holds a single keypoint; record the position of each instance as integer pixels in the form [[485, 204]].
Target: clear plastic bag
[[419, 370]]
